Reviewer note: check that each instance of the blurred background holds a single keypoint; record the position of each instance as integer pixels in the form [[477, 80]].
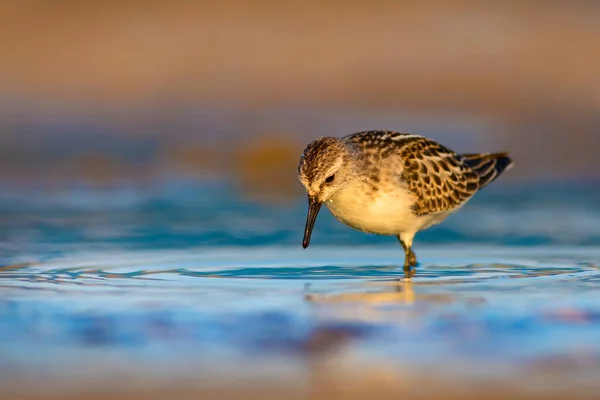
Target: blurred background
[[112, 91], [148, 147]]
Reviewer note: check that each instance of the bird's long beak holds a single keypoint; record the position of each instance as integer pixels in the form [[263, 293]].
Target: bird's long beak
[[314, 205]]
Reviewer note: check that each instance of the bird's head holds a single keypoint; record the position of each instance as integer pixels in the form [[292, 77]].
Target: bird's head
[[322, 171]]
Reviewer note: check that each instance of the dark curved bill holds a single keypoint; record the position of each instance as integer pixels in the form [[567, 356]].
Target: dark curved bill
[[314, 206]]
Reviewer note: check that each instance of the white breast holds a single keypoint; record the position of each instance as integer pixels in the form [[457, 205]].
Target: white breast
[[385, 212]]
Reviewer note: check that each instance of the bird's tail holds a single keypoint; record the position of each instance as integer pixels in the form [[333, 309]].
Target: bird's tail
[[488, 166]]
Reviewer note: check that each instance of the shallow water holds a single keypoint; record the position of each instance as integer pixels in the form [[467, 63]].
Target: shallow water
[[178, 283]]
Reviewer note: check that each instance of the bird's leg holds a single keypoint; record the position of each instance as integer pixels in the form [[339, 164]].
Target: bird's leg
[[410, 259]]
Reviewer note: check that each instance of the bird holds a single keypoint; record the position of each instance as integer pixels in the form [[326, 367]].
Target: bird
[[391, 183]]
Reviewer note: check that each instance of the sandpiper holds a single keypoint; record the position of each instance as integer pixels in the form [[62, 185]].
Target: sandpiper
[[391, 183]]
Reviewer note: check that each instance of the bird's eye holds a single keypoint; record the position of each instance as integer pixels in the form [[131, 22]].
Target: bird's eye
[[330, 179]]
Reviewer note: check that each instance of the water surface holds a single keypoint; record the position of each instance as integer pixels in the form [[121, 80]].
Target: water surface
[[191, 284]]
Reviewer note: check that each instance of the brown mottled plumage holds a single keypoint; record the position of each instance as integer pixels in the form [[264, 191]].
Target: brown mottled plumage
[[392, 183]]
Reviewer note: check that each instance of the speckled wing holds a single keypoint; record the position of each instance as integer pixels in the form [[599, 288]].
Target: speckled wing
[[438, 177]]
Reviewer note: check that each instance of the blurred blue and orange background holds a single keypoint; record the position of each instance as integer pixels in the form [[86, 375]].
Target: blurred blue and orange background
[[135, 90], [151, 217]]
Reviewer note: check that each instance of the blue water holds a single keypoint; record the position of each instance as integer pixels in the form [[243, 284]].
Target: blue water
[[190, 277]]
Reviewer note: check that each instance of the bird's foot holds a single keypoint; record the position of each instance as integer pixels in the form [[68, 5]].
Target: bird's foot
[[410, 263], [409, 271]]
